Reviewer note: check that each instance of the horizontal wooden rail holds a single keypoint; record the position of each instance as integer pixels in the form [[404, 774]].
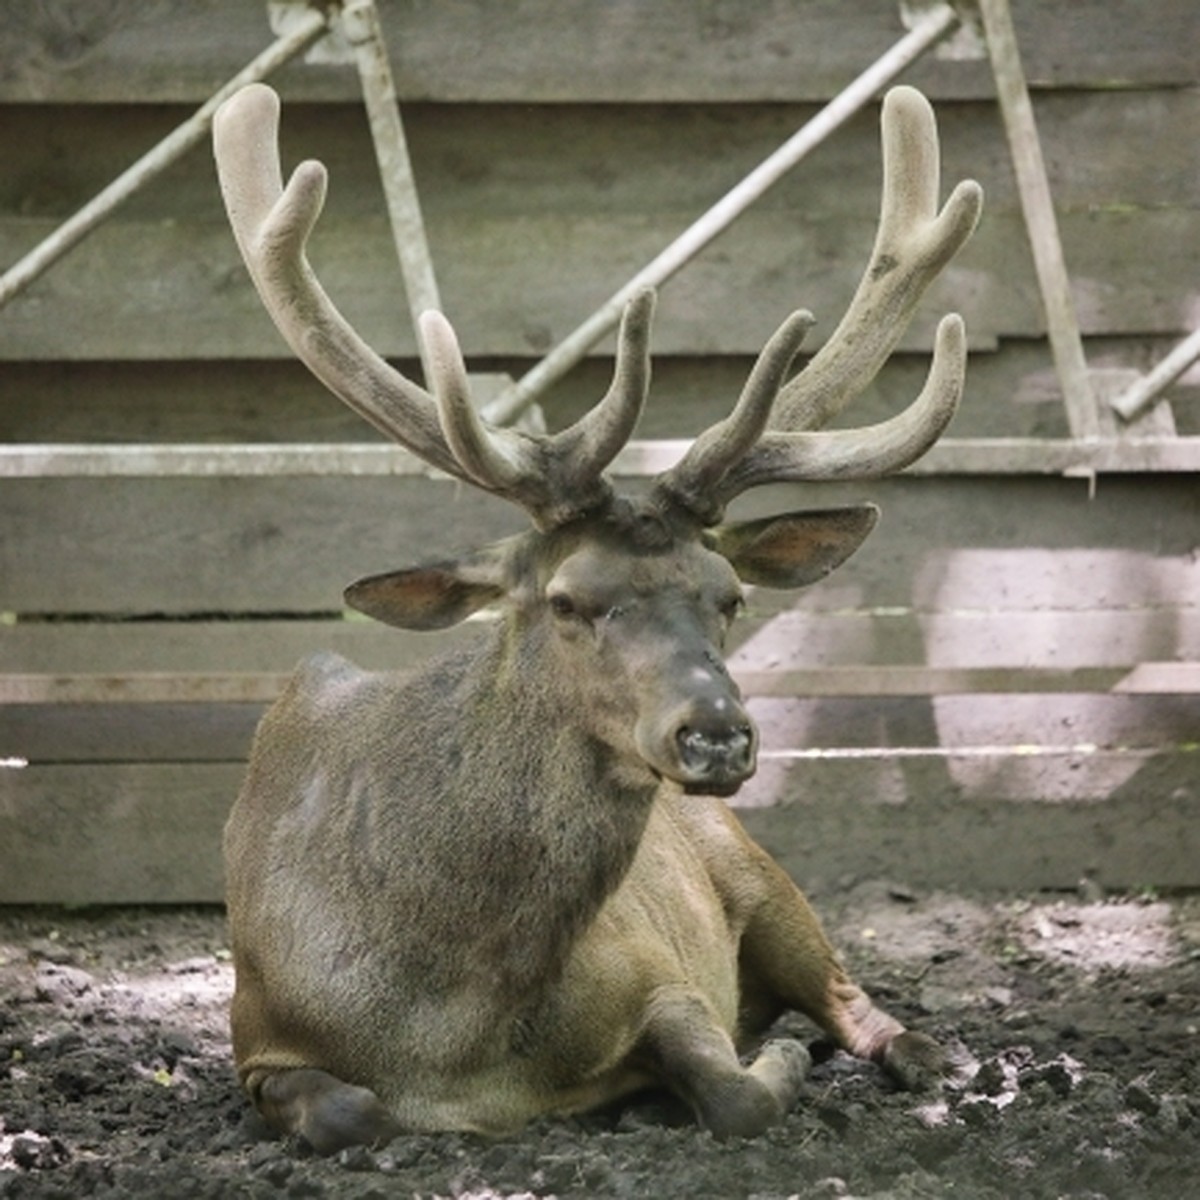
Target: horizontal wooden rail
[[951, 456], [1165, 678], [670, 51]]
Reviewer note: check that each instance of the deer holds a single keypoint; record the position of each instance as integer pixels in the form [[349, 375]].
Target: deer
[[509, 885]]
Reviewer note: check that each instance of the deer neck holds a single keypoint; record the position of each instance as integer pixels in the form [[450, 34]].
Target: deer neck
[[565, 814]]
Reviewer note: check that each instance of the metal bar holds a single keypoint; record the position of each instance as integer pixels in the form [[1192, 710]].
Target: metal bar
[[856, 95], [1141, 396], [1038, 207], [639, 459], [18, 277], [360, 20]]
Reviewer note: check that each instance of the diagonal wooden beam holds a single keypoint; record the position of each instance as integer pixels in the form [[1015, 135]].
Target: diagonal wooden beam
[[1062, 326]]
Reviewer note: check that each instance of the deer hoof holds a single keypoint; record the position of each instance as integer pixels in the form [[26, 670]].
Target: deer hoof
[[760, 1096], [783, 1065], [915, 1061], [327, 1113]]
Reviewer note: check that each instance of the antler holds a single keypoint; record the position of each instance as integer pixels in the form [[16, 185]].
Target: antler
[[770, 436], [554, 478]]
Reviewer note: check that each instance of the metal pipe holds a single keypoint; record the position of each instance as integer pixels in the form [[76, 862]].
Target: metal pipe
[[510, 403], [307, 30], [1066, 344], [1141, 396], [360, 21]]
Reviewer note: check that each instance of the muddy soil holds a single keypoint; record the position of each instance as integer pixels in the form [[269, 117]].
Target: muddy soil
[[1076, 1021]]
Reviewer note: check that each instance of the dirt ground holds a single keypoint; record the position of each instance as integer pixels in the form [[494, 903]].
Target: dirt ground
[[1077, 1022]]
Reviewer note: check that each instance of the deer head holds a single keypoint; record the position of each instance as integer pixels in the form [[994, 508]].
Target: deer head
[[651, 582]]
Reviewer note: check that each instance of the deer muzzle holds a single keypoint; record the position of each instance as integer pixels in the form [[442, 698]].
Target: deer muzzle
[[707, 744], [719, 759]]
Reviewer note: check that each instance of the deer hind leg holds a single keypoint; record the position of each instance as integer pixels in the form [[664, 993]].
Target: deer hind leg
[[326, 1112], [787, 961], [695, 1057]]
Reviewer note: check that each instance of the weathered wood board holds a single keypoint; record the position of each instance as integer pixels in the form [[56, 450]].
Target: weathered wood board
[[545, 50], [127, 833], [1050, 630], [998, 692], [536, 215], [1014, 723], [272, 545], [150, 832], [508, 160], [1004, 825], [1010, 393], [189, 297], [1027, 582]]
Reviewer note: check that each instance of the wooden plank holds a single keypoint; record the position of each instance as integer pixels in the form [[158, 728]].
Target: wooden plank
[[934, 778], [1162, 678], [1085, 457], [195, 646], [801, 728], [127, 733], [147, 688], [290, 545], [637, 460], [908, 680], [1015, 824], [870, 680], [673, 50], [189, 296], [1011, 392], [794, 728], [924, 821], [776, 633], [223, 545], [115, 834], [599, 160], [793, 637]]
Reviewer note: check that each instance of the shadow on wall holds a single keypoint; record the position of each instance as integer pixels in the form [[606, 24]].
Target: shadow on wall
[[1071, 610]]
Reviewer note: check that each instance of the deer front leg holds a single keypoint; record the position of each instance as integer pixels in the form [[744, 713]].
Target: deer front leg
[[696, 1058], [326, 1112], [787, 961]]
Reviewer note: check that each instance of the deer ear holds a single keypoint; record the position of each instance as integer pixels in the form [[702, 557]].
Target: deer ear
[[795, 549], [431, 597]]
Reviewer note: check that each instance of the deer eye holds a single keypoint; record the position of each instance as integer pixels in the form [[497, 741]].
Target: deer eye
[[561, 605], [732, 606]]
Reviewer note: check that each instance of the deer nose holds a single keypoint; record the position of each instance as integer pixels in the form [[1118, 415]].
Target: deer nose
[[721, 757]]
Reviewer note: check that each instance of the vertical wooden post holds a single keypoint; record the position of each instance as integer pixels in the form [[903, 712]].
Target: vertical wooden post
[[1038, 207], [360, 20]]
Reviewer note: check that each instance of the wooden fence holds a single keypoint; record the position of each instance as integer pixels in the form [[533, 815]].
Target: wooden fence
[[999, 691]]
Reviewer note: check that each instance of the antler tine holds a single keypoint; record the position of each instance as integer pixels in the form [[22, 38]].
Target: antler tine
[[913, 243], [600, 434], [867, 452], [555, 479], [271, 224], [694, 481], [494, 463]]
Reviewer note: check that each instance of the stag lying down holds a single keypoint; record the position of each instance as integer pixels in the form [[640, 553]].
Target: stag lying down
[[509, 886]]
